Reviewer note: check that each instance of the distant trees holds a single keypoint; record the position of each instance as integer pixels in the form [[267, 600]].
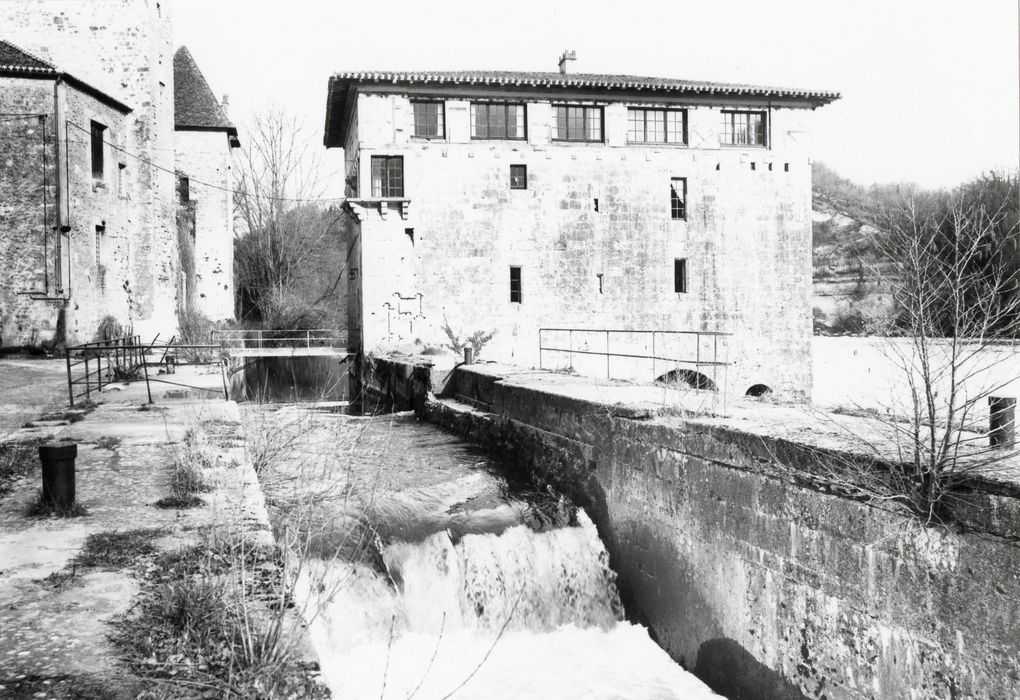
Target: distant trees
[[290, 251]]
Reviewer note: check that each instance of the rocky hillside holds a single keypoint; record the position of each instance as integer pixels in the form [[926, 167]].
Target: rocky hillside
[[853, 280]]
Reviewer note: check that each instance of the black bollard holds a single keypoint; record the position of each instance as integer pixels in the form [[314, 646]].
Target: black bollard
[[58, 473], [1002, 421]]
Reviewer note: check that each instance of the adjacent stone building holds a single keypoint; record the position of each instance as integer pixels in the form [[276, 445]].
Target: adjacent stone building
[[88, 175], [504, 203]]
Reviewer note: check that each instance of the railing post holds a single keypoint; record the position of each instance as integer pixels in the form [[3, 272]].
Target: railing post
[[99, 369], [607, 355], [87, 393], [70, 384], [570, 348], [308, 339], [653, 357], [148, 389]]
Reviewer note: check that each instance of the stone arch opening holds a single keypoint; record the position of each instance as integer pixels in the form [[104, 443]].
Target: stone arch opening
[[693, 379], [759, 390]]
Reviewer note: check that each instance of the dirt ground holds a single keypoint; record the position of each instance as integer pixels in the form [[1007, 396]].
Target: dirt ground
[[30, 387]]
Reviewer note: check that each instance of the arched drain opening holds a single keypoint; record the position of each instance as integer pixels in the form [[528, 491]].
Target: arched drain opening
[[693, 379], [759, 390]]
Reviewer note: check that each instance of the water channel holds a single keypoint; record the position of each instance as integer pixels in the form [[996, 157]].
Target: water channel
[[436, 571]]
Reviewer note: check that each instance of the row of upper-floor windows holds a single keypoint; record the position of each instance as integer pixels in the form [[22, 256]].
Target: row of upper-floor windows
[[508, 120]]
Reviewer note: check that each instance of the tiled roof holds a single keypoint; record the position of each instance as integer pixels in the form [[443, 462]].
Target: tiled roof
[[586, 82], [195, 105], [15, 60]]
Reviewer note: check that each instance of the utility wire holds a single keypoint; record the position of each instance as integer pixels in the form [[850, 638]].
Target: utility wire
[[200, 182]]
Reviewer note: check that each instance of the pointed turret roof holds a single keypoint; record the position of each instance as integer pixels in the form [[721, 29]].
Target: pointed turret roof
[[195, 106]]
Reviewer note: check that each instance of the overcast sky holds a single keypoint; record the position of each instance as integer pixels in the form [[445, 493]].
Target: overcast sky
[[931, 88]]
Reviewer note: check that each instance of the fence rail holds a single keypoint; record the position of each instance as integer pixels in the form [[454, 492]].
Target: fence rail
[[310, 338], [90, 366], [580, 342]]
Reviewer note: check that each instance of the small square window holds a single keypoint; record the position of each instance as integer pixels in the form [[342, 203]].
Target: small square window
[[518, 177], [516, 293], [680, 275], [678, 198]]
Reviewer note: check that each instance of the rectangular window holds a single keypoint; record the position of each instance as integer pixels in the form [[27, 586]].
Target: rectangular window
[[98, 150], [577, 123], [678, 198], [387, 176], [680, 275], [518, 177], [657, 126], [100, 230], [183, 189], [743, 128], [122, 180], [429, 120], [490, 120], [516, 294]]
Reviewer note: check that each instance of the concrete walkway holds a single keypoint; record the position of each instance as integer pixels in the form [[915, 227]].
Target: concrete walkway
[[54, 614], [29, 388]]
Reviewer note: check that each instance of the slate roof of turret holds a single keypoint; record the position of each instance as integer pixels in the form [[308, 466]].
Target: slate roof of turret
[[339, 84], [18, 62], [195, 106]]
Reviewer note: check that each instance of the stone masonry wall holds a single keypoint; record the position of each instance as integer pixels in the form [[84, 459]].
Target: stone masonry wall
[[746, 239], [123, 47], [763, 587], [28, 199], [205, 157], [60, 280]]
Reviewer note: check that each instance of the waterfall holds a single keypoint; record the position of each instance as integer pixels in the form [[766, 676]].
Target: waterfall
[[520, 614]]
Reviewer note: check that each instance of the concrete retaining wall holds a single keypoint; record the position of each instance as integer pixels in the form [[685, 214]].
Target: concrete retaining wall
[[765, 588]]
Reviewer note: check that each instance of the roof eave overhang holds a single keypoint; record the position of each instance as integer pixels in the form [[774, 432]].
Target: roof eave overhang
[[230, 131], [338, 116], [49, 74]]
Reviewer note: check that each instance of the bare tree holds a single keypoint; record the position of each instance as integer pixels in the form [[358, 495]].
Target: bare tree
[[958, 314], [286, 254]]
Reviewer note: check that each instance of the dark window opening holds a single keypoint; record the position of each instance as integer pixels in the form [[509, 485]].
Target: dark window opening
[[657, 126], [98, 151], [599, 275], [490, 120], [678, 198], [353, 273], [743, 128], [596, 205], [429, 120], [759, 390], [100, 230], [518, 177], [689, 378], [387, 176], [409, 232], [770, 167], [577, 124], [786, 167], [516, 293], [183, 189], [680, 275], [754, 166]]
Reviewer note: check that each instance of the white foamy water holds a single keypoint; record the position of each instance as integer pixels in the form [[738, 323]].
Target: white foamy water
[[522, 614]]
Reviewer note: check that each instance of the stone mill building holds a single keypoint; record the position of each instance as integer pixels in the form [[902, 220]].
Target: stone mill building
[[115, 179], [504, 203]]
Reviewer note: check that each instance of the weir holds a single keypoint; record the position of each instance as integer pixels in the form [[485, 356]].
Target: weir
[[466, 576], [749, 569]]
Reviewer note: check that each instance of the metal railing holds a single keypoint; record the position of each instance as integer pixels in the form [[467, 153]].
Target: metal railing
[[91, 366], [580, 341], [259, 339]]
